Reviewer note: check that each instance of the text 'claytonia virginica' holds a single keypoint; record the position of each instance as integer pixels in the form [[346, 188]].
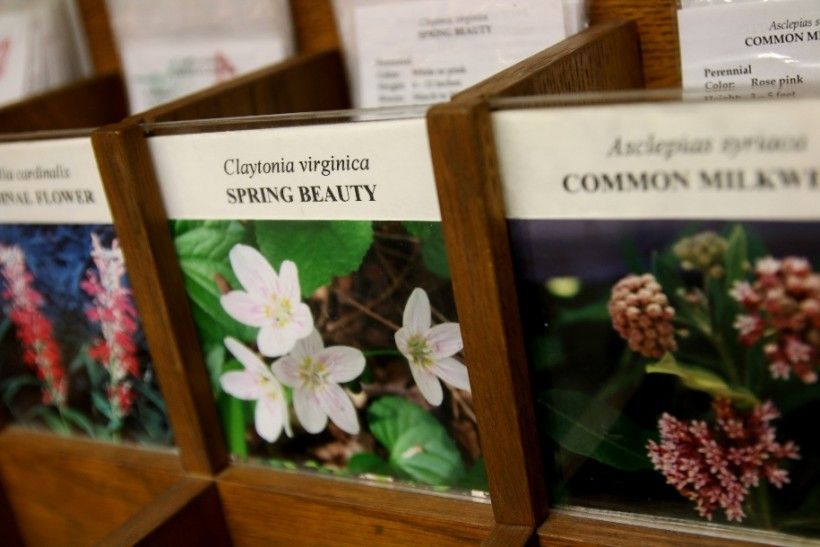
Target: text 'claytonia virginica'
[[270, 302], [257, 383], [430, 350], [315, 372]]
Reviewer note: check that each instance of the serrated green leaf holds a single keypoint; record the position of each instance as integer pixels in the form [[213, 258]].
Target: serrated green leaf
[[433, 249], [593, 428], [418, 444], [702, 380], [321, 250]]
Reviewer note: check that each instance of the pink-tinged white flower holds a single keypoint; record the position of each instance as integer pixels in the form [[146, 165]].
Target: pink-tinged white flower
[[271, 302], [642, 315], [715, 466], [257, 383], [315, 372], [114, 310], [33, 328], [782, 307], [430, 349]]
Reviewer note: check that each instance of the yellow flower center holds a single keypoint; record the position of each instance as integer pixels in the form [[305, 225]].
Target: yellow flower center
[[312, 372], [420, 351], [268, 387], [278, 310]]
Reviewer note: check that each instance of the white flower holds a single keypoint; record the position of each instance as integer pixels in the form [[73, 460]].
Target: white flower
[[257, 383], [430, 350], [270, 302], [314, 372]]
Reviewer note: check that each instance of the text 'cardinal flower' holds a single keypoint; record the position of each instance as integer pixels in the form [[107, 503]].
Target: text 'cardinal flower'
[[315, 372], [430, 350], [257, 383], [269, 302]]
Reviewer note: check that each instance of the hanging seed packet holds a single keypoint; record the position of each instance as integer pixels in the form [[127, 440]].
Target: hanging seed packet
[[73, 357], [318, 279], [668, 267]]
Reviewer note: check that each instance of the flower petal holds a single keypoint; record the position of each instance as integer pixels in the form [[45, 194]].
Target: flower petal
[[286, 370], [253, 270], [344, 363], [249, 359], [244, 308], [401, 337], [241, 384], [308, 346], [301, 321], [453, 372], [339, 408], [269, 418], [445, 340], [307, 408], [288, 285], [274, 341], [428, 384], [417, 311]]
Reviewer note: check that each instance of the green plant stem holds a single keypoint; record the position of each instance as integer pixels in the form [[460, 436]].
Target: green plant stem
[[761, 503], [717, 342]]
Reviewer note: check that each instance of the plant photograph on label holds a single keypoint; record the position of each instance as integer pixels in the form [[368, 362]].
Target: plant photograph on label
[[676, 365], [334, 346], [72, 353]]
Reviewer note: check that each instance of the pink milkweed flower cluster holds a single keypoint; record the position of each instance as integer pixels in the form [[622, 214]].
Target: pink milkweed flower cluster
[[641, 314], [34, 330], [114, 310], [783, 302], [715, 465]]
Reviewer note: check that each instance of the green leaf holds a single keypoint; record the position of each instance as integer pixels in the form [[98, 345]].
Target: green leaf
[[594, 429], [321, 250], [433, 250], [12, 386], [418, 444], [735, 258], [595, 312], [476, 477], [701, 380], [232, 411], [547, 351], [367, 462], [211, 239], [102, 405], [215, 361], [79, 420]]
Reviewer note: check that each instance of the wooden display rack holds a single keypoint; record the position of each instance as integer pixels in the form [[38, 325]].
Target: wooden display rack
[[126, 495], [253, 498]]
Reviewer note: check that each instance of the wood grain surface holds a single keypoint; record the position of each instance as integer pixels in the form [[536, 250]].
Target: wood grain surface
[[658, 28], [187, 513], [314, 25], [265, 507], [72, 491], [84, 104], [100, 36]]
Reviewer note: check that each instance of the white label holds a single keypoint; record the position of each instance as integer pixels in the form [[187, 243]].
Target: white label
[[51, 182], [15, 51], [751, 50], [161, 70], [662, 161], [424, 51], [352, 171]]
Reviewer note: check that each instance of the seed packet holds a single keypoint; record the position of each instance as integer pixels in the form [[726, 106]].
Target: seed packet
[[423, 51], [171, 49]]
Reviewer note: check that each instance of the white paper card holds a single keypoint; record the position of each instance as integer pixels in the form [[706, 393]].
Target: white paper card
[[662, 161], [751, 49], [160, 70], [352, 171], [424, 51], [15, 54], [51, 182]]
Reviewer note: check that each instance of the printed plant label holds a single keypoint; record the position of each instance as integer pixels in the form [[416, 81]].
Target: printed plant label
[[72, 353], [317, 275], [668, 268], [751, 49]]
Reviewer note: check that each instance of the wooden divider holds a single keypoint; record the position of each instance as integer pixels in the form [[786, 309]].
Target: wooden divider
[[475, 231]]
